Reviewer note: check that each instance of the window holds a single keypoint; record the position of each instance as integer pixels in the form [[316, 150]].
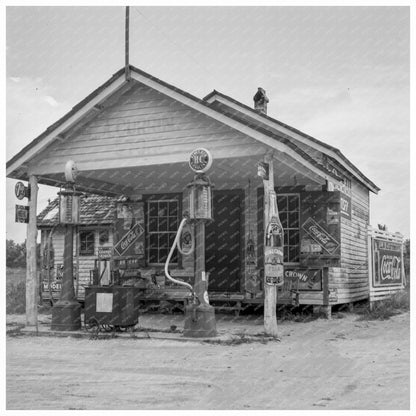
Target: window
[[86, 243], [288, 205], [162, 224]]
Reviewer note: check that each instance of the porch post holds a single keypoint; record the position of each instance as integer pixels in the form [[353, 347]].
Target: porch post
[[31, 266], [270, 320]]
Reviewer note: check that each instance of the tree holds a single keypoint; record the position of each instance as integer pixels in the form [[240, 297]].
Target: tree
[[15, 254], [406, 255]]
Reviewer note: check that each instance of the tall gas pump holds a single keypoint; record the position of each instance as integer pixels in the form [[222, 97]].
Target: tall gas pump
[[66, 313], [199, 314]]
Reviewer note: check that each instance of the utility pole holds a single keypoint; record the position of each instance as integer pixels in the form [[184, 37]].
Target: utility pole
[[127, 45]]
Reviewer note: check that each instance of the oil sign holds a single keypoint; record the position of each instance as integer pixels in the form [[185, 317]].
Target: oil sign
[[22, 214], [387, 263]]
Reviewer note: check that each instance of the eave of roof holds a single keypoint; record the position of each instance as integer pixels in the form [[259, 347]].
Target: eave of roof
[[202, 102], [357, 172]]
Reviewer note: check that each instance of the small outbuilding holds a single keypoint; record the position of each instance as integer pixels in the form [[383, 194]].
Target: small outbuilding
[[131, 139]]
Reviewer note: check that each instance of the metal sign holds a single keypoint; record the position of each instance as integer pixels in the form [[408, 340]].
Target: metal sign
[[345, 206], [200, 160], [128, 239], [321, 236], [22, 214], [387, 263], [308, 279], [20, 190]]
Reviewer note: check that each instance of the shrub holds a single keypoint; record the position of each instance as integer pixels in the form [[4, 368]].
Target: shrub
[[384, 309], [16, 298]]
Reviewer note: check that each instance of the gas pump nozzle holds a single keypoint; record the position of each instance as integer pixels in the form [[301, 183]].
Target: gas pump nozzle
[[172, 249]]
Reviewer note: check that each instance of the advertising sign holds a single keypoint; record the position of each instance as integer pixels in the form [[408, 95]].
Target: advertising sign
[[308, 279], [345, 206], [20, 190], [129, 230], [104, 253], [200, 160], [320, 235], [387, 263], [22, 214]]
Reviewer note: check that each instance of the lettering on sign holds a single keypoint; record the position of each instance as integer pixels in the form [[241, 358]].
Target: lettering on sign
[[387, 263], [308, 279], [20, 190], [105, 252], [200, 160], [128, 239], [320, 235]]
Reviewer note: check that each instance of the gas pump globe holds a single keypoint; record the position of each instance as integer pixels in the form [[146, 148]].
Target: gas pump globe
[[200, 199]]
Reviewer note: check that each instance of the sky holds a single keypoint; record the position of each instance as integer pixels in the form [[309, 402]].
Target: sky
[[339, 74]]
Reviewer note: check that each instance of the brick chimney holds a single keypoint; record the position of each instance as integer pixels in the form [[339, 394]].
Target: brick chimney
[[260, 101]]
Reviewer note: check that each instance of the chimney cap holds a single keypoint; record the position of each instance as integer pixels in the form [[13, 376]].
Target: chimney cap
[[260, 100]]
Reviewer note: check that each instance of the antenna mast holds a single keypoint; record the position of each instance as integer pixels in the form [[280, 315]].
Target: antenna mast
[[127, 66]]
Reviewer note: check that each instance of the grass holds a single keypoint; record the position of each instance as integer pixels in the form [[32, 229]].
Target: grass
[[382, 310], [15, 291]]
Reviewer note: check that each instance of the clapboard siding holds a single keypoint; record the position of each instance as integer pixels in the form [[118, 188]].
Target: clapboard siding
[[145, 123], [354, 250]]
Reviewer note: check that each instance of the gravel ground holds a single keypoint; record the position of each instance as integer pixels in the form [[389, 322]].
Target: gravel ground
[[323, 364]]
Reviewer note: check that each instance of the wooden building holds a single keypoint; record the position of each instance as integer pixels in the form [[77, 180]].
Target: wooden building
[[131, 139]]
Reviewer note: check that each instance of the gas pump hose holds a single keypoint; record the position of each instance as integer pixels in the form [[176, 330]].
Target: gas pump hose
[[172, 249]]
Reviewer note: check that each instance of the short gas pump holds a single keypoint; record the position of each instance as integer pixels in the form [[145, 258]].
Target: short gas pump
[[199, 314]]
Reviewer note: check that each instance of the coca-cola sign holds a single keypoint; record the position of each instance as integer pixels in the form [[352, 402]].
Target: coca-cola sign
[[387, 263], [321, 236]]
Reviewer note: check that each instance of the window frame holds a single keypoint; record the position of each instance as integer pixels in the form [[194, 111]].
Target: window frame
[[87, 252], [166, 197], [288, 229]]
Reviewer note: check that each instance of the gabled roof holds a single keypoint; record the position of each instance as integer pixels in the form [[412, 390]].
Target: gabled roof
[[256, 127], [94, 210], [216, 98]]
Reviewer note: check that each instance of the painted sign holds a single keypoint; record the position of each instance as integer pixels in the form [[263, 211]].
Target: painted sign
[[308, 279], [200, 160], [387, 263], [22, 214], [20, 190], [345, 206], [320, 235], [273, 246], [128, 240], [105, 252], [129, 230]]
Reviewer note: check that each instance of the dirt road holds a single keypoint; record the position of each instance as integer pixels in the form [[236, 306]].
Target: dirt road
[[337, 364]]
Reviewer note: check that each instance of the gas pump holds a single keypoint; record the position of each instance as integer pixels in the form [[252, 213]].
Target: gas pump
[[66, 313], [199, 314]]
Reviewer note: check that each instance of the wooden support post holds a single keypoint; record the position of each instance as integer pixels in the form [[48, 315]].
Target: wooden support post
[[326, 309], [31, 266], [270, 319]]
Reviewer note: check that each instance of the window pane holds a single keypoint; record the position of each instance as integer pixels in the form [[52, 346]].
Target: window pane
[[293, 237], [286, 238], [293, 220], [163, 209], [153, 241], [163, 255], [152, 209], [163, 240], [286, 256], [293, 203], [173, 223], [282, 203], [163, 224], [152, 224], [173, 209], [294, 254], [283, 219]]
